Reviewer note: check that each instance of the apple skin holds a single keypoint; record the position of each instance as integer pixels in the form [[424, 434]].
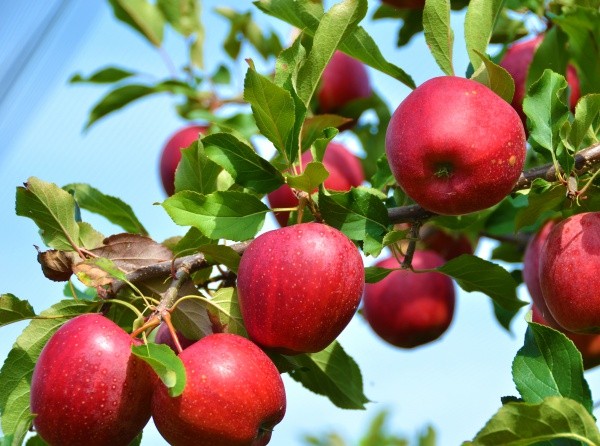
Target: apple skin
[[88, 388], [409, 309], [406, 4], [171, 154], [455, 146], [299, 286], [234, 396], [517, 60], [345, 171], [163, 336], [587, 344], [448, 246], [569, 265], [344, 79]]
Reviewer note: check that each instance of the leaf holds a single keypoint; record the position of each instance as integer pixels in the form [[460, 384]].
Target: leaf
[[374, 274], [89, 238], [112, 208], [314, 174], [191, 319], [495, 77], [587, 112], [521, 424], [550, 54], [58, 265], [98, 272], [15, 375], [106, 75], [315, 126], [36, 440], [195, 172], [475, 274], [543, 199], [224, 306], [549, 364], [165, 363], [12, 309], [190, 242], [142, 16], [223, 255], [479, 24], [53, 211], [438, 33], [230, 215], [332, 373], [129, 252], [117, 99], [247, 168], [183, 15]]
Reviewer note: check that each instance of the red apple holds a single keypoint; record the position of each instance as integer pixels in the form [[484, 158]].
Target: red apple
[[299, 286], [344, 79], [234, 396], [345, 171], [406, 4], [569, 265], [171, 154], [455, 146], [87, 387], [447, 245], [516, 61], [587, 344], [531, 270], [409, 309], [163, 336]]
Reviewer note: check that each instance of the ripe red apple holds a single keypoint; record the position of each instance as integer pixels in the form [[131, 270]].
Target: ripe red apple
[[344, 79], [447, 245], [516, 61], [587, 344], [455, 146], [406, 4], [87, 387], [569, 265], [299, 286], [409, 309], [531, 270], [163, 336], [234, 396], [171, 154], [345, 171]]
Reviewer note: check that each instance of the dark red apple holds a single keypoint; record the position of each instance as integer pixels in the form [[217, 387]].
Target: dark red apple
[[171, 154], [531, 270], [344, 79], [234, 396], [455, 146], [587, 344], [299, 286], [569, 265], [345, 171], [516, 61], [447, 245], [406, 4], [163, 336], [409, 309], [87, 387]]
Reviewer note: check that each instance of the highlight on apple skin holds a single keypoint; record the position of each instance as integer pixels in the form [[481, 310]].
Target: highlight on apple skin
[[455, 147]]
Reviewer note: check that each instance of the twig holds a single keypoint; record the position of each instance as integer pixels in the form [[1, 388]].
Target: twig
[[413, 238]]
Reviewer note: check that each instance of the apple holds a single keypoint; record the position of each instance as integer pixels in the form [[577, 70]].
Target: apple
[[516, 61], [344, 79], [447, 245], [88, 388], [531, 270], [163, 336], [234, 396], [409, 309], [299, 286], [171, 154], [345, 171], [406, 4], [569, 265], [455, 146], [587, 344]]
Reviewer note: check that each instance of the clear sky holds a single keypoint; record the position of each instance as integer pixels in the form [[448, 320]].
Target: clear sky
[[454, 384]]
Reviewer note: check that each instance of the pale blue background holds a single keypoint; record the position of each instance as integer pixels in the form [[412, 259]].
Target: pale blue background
[[454, 384]]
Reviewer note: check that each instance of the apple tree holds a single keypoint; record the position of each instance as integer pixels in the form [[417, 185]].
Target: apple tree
[[202, 325]]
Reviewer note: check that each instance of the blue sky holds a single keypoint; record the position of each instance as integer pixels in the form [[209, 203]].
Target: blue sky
[[455, 384]]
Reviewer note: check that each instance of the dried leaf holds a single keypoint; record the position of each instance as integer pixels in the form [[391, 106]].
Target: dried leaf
[[58, 265], [131, 251]]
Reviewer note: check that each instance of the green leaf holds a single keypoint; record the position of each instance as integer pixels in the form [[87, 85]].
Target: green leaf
[[225, 306], [314, 174], [288, 63], [230, 215], [15, 375], [12, 309], [117, 99], [358, 44], [550, 54], [395, 236], [504, 316], [475, 274], [374, 274], [36, 440], [182, 15], [196, 172], [438, 33], [106, 75], [246, 167], [521, 424], [142, 16], [221, 76], [165, 363], [479, 24], [383, 175], [587, 112], [89, 238], [549, 364], [221, 254], [542, 200], [53, 211], [190, 242], [112, 208], [334, 374], [23, 420], [495, 78], [314, 127]]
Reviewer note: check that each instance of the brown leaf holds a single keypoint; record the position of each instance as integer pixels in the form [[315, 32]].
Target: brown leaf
[[131, 251], [91, 275], [58, 265]]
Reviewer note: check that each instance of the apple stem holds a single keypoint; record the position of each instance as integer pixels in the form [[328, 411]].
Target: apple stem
[[166, 316], [413, 238]]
